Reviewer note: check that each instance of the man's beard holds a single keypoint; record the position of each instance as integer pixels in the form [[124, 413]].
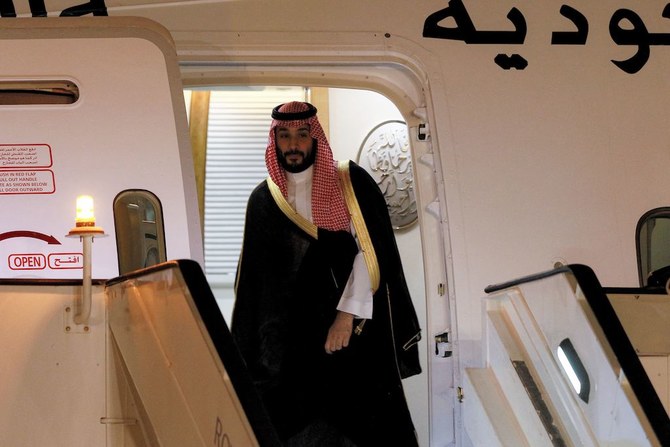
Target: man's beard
[[294, 168]]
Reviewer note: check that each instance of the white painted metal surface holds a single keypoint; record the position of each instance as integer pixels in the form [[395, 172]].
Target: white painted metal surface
[[645, 318], [52, 374], [525, 325], [522, 168], [127, 130], [175, 369]]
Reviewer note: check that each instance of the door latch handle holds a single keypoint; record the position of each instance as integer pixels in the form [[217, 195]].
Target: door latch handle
[[442, 345]]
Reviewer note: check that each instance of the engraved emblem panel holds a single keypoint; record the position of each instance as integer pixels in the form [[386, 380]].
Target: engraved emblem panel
[[386, 156]]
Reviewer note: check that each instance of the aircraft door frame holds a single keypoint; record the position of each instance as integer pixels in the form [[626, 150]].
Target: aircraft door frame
[[401, 75]]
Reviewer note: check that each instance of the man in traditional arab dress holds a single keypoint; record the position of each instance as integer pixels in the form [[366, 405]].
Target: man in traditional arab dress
[[322, 315]]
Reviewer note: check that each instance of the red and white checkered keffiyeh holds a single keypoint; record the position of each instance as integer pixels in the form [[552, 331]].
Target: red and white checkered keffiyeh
[[329, 210]]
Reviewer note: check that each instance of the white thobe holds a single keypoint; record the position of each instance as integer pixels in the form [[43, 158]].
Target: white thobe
[[357, 296]]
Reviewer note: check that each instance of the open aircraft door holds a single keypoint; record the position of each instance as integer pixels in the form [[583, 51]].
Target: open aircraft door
[[92, 106]]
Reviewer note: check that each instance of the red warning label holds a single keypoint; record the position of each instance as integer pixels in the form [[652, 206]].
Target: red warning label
[[25, 156], [60, 261], [39, 181], [27, 261], [38, 261]]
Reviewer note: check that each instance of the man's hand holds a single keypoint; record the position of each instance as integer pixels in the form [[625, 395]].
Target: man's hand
[[339, 332]]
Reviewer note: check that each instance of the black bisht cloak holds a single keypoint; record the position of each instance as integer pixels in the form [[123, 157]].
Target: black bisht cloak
[[287, 289]]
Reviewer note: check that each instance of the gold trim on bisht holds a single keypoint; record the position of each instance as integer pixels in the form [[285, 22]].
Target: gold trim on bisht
[[359, 224], [304, 224]]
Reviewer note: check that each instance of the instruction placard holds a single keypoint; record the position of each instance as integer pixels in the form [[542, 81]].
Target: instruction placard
[[39, 181], [25, 156]]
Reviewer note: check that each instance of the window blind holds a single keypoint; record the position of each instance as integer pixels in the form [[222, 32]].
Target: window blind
[[239, 121]]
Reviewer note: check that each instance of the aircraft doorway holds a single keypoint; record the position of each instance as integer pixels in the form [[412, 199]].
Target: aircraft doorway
[[238, 119]]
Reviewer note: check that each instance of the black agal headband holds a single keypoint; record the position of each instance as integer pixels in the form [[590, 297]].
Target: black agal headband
[[293, 116]]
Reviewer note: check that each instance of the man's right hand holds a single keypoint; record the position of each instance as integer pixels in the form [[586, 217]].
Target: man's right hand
[[339, 333]]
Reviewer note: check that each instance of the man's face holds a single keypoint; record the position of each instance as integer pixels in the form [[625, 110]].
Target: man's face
[[295, 146]]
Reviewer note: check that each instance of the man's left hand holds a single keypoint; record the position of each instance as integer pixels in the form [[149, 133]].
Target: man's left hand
[[339, 332]]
